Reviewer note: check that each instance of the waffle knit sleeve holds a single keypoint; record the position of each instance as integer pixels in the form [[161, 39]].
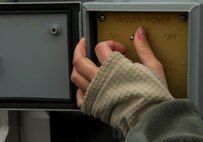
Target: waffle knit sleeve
[[122, 91]]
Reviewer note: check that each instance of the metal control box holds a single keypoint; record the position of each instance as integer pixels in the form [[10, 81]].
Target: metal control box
[[37, 44], [168, 37], [38, 39], [174, 31]]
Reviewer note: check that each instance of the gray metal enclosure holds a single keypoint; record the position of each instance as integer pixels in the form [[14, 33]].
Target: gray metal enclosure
[[38, 37], [38, 41], [34, 59]]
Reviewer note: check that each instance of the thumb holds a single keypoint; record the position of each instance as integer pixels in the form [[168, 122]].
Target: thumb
[[145, 53]]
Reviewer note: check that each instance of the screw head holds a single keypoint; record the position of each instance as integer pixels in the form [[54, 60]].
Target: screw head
[[102, 17], [183, 18]]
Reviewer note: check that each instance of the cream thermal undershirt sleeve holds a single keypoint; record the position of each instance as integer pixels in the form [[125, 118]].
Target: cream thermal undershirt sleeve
[[122, 91]]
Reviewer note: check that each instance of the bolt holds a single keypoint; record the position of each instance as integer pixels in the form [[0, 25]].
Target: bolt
[[102, 18], [183, 18]]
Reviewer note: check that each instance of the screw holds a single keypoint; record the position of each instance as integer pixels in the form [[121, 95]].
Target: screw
[[183, 18], [55, 29], [102, 17]]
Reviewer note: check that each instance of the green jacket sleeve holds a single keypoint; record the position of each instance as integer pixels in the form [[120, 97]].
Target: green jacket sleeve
[[172, 121]]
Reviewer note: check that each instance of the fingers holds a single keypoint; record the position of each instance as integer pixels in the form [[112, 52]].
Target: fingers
[[84, 69], [142, 47], [79, 80], [80, 48], [104, 49], [84, 66], [145, 53], [83, 72], [80, 97]]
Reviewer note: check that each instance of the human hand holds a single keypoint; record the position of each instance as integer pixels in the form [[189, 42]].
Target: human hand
[[85, 70]]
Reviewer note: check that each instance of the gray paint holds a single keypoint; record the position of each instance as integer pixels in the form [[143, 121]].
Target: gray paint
[[34, 62]]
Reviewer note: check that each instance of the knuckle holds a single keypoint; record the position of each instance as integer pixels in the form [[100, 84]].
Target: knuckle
[[76, 61], [158, 65], [73, 77], [143, 45], [99, 45], [104, 43]]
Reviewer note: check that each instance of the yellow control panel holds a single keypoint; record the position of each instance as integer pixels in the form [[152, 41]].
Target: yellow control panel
[[167, 33]]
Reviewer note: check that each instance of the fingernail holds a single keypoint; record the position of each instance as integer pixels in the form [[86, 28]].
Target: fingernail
[[141, 32], [82, 39]]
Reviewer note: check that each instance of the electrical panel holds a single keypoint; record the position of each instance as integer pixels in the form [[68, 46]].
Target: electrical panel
[[168, 38], [38, 39], [174, 32]]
